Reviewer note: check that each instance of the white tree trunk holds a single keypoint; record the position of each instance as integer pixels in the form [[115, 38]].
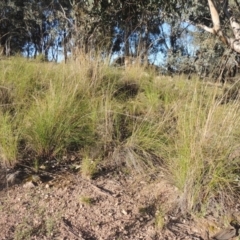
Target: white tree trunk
[[214, 6]]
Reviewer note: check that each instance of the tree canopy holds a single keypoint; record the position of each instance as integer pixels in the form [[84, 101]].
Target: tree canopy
[[148, 29]]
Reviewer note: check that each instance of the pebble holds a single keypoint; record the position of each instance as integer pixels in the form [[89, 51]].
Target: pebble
[[124, 212], [28, 185]]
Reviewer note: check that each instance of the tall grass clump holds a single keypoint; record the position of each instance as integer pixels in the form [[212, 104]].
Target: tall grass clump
[[186, 129], [58, 120], [8, 140], [22, 78], [54, 103], [201, 162], [134, 126]]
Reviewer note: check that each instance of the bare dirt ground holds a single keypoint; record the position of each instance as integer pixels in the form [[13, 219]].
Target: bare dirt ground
[[113, 206]]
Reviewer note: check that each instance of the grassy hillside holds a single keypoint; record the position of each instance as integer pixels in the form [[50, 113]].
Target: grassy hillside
[[185, 131]]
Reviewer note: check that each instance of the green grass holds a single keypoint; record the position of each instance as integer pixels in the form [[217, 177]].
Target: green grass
[[201, 166], [8, 140], [185, 129], [58, 120], [89, 167], [86, 200]]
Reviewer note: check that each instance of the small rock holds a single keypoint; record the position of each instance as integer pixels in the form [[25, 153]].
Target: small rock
[[28, 185], [46, 196], [124, 212]]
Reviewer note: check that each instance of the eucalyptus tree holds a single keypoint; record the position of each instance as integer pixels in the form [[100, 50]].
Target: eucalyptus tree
[[12, 30], [137, 20], [216, 8], [219, 18], [129, 27], [40, 26], [27, 26], [140, 26]]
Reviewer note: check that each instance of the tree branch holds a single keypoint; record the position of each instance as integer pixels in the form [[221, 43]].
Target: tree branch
[[233, 21], [216, 22], [206, 28], [214, 16]]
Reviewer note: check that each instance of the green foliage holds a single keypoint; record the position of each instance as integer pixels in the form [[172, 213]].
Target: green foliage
[[200, 163], [88, 26], [144, 28], [8, 140], [159, 219], [23, 231], [89, 167], [184, 129], [58, 120], [87, 200]]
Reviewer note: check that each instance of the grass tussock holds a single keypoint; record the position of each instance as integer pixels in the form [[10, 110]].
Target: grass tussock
[[58, 120], [202, 165], [186, 129], [8, 140]]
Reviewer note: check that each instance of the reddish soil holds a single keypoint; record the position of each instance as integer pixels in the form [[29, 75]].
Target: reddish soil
[[113, 206]]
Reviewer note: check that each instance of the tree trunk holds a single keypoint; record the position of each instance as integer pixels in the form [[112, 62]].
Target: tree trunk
[[214, 6]]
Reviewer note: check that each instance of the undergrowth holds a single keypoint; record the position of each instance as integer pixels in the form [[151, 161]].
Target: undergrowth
[[184, 128]]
